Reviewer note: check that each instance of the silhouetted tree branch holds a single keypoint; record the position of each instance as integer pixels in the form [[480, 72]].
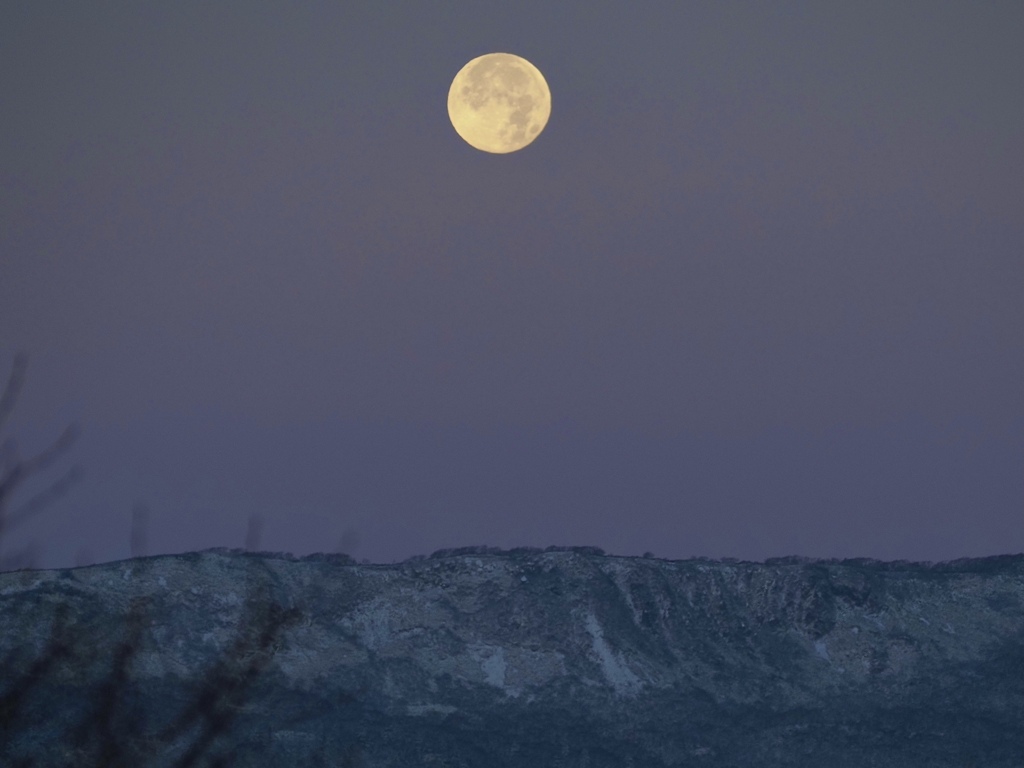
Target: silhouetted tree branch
[[15, 381], [12, 701], [15, 471], [113, 733]]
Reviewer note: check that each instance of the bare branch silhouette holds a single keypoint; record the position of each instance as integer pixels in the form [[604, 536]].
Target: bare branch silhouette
[[116, 739], [12, 701], [22, 469], [15, 381], [217, 702], [44, 498], [113, 733], [16, 471]]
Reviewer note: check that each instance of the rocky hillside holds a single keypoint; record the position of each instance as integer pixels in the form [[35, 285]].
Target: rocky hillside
[[479, 657]]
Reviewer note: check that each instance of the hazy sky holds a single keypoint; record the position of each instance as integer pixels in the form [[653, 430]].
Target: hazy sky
[[756, 290]]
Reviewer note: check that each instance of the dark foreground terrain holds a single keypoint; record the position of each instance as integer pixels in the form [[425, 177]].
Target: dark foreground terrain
[[525, 658]]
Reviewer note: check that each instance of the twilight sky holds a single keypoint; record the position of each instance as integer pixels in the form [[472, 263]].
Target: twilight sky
[[755, 291]]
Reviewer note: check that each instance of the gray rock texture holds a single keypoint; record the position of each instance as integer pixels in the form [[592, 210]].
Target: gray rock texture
[[479, 657]]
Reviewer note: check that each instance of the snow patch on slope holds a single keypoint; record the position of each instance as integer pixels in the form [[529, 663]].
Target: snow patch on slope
[[613, 665], [822, 650], [494, 666]]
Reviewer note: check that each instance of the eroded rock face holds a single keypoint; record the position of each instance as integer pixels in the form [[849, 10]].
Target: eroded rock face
[[522, 658]]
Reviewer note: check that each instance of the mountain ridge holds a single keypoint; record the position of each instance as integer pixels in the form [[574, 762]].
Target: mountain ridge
[[560, 657]]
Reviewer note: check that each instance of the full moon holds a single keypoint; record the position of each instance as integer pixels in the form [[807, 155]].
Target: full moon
[[499, 102]]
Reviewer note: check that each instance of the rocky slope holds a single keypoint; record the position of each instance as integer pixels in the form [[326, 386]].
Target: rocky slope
[[564, 657]]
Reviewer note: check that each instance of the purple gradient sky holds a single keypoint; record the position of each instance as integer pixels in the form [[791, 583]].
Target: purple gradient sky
[[756, 290]]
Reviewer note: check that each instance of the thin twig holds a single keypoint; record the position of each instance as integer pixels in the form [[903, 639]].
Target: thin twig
[[43, 499], [15, 381]]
